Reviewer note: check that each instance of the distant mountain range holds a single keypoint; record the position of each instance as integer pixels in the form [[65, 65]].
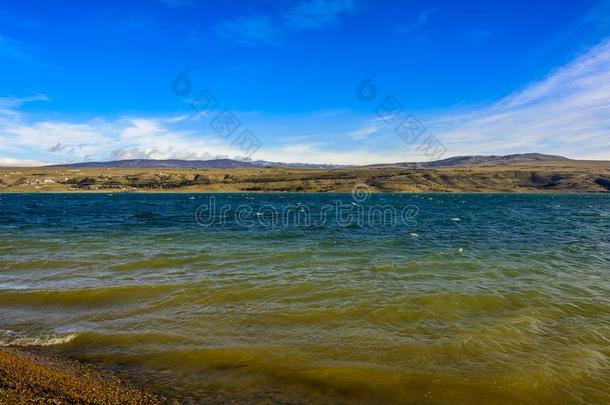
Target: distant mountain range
[[495, 160], [193, 164], [230, 163], [167, 163]]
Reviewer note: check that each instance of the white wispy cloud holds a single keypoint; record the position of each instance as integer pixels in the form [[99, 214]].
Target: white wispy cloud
[[372, 126], [249, 30], [13, 102], [59, 141], [315, 14], [566, 113], [12, 48], [9, 104], [177, 3], [12, 162], [264, 29], [49, 141], [422, 19], [321, 153]]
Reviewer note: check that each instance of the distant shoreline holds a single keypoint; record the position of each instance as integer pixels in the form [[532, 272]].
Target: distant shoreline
[[187, 192], [546, 177]]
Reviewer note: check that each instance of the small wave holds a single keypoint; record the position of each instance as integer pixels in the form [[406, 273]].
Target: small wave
[[20, 339], [161, 261], [87, 297], [40, 264]]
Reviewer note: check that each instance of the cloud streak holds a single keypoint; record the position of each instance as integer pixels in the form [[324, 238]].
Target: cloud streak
[[567, 113], [422, 19], [11, 48], [249, 31], [177, 3], [264, 29], [372, 126], [316, 14]]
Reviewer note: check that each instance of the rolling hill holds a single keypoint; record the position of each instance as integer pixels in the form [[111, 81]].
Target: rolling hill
[[474, 160]]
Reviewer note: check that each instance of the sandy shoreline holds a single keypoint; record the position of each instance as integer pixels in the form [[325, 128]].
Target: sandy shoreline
[[27, 377]]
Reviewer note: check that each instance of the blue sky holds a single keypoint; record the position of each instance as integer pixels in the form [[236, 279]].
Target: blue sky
[[85, 80]]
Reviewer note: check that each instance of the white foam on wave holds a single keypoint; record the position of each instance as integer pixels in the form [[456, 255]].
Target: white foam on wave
[[20, 339]]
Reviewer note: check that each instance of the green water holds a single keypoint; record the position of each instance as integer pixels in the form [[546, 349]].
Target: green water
[[473, 299]]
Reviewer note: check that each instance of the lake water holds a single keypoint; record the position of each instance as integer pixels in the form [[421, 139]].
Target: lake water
[[326, 298]]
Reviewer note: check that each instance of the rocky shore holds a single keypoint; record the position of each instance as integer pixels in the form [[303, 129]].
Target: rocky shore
[[27, 377]]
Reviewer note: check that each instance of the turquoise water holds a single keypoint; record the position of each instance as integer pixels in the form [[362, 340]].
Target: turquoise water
[[444, 298]]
